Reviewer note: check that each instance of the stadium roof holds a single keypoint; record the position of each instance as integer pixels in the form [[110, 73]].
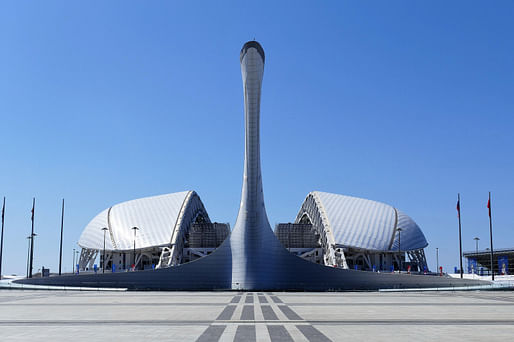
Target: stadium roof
[[362, 223], [159, 219]]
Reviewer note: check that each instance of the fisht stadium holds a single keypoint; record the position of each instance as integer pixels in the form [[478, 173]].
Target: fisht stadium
[[332, 230], [169, 242]]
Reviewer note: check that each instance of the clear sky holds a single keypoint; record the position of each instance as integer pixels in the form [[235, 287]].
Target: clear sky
[[403, 102]]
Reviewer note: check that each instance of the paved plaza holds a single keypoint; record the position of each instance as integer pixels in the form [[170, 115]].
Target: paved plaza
[[256, 316]]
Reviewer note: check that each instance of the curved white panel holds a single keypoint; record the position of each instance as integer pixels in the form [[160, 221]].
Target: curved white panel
[[155, 217], [411, 236], [362, 223], [93, 235]]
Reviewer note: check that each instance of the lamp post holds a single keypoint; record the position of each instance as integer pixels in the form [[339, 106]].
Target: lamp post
[[29, 263], [32, 239], [73, 267], [78, 259], [399, 230], [135, 229], [103, 261], [476, 253], [437, 259]]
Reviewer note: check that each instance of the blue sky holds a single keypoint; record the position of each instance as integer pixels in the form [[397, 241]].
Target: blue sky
[[403, 102]]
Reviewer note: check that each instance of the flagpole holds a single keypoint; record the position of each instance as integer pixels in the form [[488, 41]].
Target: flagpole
[[62, 226], [2, 239], [460, 235], [491, 234], [32, 239]]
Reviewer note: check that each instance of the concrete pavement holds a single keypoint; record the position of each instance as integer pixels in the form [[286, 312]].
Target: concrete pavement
[[256, 316]]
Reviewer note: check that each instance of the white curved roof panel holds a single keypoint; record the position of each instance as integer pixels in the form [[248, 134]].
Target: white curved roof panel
[[156, 218], [411, 234], [367, 224], [93, 235]]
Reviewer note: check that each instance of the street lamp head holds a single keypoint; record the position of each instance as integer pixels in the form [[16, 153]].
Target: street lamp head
[[476, 238], [135, 228], [399, 229], [105, 228]]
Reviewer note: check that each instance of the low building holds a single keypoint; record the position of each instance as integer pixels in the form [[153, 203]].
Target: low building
[[479, 262]]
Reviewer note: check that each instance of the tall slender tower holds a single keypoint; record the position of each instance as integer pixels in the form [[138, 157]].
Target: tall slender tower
[[252, 236], [252, 258]]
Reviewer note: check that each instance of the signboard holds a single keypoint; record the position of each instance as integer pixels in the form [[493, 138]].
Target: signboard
[[472, 266], [503, 264]]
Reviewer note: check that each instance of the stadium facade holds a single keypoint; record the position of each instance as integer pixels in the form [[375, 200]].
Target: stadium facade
[[340, 231], [172, 229], [330, 229]]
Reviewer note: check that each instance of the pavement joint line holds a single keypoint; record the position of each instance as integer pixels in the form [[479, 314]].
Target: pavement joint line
[[312, 322], [274, 307], [229, 334], [258, 314], [261, 333], [398, 304], [114, 304], [295, 333], [239, 308]]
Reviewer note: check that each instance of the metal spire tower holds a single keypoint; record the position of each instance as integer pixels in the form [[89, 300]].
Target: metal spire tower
[[252, 239]]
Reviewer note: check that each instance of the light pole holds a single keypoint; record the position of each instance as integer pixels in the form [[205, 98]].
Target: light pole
[[31, 245], [135, 229], [437, 258], [476, 253], [103, 261], [73, 268], [399, 230], [60, 245], [78, 262], [32, 239]]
